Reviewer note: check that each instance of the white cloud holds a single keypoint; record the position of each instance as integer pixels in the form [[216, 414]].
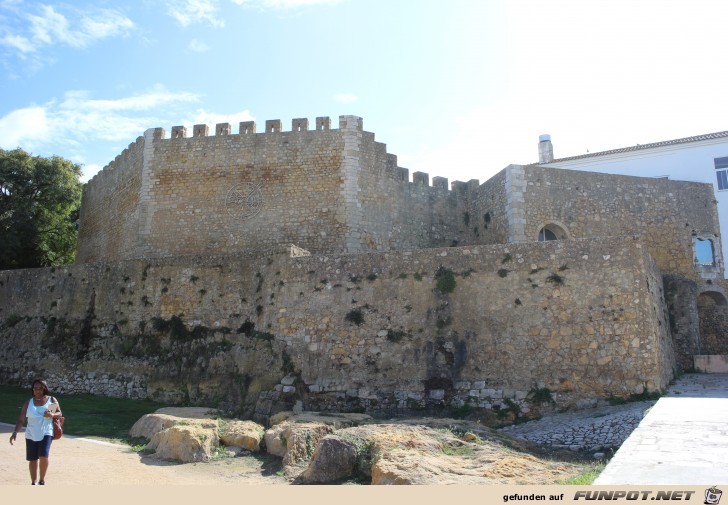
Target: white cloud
[[48, 26], [23, 127], [76, 119], [156, 97], [212, 118], [198, 46], [88, 170], [107, 24], [189, 12], [19, 42], [283, 4], [345, 98]]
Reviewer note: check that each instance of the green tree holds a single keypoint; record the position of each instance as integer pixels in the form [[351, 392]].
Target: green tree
[[39, 203]]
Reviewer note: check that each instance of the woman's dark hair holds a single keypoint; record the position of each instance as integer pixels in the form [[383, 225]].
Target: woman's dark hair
[[46, 391]]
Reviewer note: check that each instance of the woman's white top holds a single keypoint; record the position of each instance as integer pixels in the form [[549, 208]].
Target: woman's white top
[[38, 426]]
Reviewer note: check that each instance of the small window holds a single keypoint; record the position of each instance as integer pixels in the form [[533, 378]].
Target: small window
[[721, 167], [552, 232], [546, 234], [704, 252]]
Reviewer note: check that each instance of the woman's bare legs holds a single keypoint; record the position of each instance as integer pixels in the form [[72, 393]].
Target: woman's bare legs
[[33, 467], [43, 468]]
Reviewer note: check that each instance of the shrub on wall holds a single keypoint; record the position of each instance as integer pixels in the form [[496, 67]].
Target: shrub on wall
[[445, 279]]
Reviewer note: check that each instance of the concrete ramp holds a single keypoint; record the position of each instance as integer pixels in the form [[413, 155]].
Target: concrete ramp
[[683, 439]]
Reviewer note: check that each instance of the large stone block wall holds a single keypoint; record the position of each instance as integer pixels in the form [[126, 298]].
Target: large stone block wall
[[489, 212], [326, 190], [401, 215], [713, 312], [666, 213], [681, 295], [476, 326], [198, 182], [109, 217]]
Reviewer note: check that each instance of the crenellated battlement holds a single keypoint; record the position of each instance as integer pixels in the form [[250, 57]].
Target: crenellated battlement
[[271, 126], [207, 188], [121, 162], [298, 125]]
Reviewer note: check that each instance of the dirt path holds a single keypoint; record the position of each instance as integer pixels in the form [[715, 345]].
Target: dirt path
[[79, 461]]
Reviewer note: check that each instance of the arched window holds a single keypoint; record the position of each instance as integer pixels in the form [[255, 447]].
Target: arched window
[[704, 254], [546, 234], [552, 231]]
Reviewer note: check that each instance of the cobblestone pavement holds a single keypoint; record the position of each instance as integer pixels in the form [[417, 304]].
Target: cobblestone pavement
[[595, 429], [681, 438]]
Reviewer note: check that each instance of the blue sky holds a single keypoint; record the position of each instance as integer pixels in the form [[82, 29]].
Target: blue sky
[[455, 88]]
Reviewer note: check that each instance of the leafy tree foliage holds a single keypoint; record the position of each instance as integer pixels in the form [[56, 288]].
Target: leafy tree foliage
[[39, 203]]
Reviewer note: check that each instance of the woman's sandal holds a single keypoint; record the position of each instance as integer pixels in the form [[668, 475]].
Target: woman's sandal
[[41, 483]]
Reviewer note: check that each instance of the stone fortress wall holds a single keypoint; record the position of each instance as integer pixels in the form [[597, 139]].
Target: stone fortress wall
[[416, 295], [325, 190], [338, 190], [375, 331]]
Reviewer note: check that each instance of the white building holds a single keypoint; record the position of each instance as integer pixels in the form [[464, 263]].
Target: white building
[[703, 158]]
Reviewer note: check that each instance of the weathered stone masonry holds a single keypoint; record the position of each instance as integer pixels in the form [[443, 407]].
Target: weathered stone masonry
[[596, 330], [415, 296]]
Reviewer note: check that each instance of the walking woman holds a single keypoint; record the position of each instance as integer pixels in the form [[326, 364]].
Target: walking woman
[[40, 411]]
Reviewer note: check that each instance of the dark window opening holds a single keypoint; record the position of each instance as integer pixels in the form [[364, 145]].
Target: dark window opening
[[546, 234], [552, 232]]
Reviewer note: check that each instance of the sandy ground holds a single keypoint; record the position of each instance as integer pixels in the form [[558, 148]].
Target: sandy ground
[[80, 461]]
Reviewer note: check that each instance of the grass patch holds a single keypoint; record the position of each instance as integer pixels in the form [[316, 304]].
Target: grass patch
[[587, 476], [458, 450], [86, 415]]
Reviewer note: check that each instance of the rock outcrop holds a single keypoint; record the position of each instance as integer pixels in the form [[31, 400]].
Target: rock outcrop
[[335, 458], [321, 448], [244, 434], [194, 434], [163, 418], [187, 444]]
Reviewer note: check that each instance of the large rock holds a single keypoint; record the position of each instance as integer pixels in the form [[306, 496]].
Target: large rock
[[151, 424], [275, 440], [189, 412], [335, 458], [336, 419], [245, 434], [186, 443], [295, 442]]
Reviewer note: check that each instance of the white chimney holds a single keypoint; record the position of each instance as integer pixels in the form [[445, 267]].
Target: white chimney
[[545, 149]]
